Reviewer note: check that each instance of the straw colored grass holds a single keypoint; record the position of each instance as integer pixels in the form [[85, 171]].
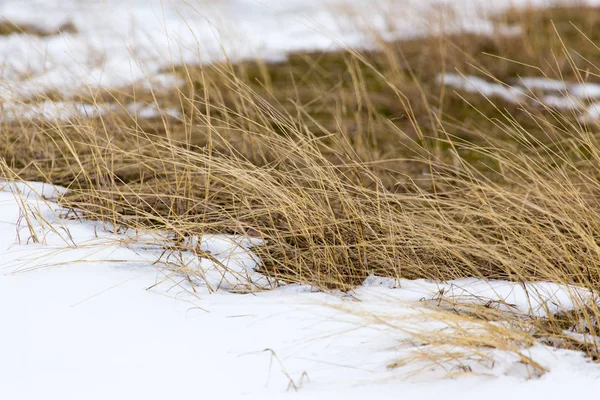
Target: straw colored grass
[[355, 163], [8, 27]]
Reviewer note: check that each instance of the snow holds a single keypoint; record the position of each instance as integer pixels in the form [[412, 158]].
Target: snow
[[119, 42], [592, 112], [579, 90], [542, 83], [151, 111], [63, 111], [474, 84], [566, 102], [569, 96], [53, 111], [535, 298], [91, 315], [33, 189]]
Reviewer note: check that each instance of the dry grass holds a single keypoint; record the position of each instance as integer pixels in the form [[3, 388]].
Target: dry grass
[[9, 28], [352, 163]]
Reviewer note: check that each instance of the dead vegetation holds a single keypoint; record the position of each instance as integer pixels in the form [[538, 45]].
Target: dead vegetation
[[355, 163], [9, 28]]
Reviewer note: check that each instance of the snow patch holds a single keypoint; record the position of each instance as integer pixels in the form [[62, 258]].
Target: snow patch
[[120, 42], [147, 111], [33, 189], [63, 111], [474, 84], [556, 94], [94, 303], [53, 111]]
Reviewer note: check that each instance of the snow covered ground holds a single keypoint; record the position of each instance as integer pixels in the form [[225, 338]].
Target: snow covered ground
[[86, 314], [118, 43]]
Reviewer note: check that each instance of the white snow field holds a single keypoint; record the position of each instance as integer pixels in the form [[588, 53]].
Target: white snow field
[[118, 43], [87, 314], [123, 41]]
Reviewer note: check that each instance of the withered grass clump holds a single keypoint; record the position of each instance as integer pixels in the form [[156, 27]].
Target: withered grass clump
[[8, 28], [355, 163]]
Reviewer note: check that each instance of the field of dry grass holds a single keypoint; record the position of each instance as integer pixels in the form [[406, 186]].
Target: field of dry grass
[[8, 27], [353, 163]]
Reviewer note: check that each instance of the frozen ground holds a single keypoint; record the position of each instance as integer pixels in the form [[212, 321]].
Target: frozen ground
[[85, 314]]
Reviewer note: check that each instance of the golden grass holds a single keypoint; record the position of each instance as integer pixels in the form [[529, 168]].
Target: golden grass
[[353, 163]]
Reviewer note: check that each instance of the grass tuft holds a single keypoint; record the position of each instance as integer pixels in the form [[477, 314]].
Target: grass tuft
[[353, 163]]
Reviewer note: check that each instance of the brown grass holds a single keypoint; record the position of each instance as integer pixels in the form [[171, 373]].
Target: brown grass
[[9, 28], [352, 163]]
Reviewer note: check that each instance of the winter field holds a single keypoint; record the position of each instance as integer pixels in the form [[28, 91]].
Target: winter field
[[299, 199]]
